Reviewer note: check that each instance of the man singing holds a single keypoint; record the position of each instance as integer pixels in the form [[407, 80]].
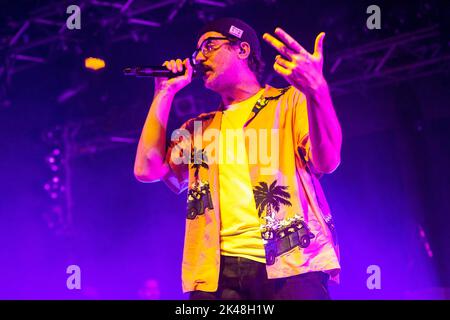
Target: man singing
[[258, 225]]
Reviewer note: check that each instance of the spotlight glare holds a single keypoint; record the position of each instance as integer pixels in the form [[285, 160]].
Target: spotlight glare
[[94, 63]]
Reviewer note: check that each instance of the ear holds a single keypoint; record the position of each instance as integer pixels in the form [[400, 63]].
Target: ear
[[244, 50]]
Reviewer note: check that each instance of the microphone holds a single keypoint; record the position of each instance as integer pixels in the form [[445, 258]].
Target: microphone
[[161, 71]]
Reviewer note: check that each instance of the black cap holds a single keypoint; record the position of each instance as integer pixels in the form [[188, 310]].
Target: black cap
[[235, 29]]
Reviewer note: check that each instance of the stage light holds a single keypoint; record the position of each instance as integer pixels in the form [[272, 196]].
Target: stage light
[[94, 63], [50, 159]]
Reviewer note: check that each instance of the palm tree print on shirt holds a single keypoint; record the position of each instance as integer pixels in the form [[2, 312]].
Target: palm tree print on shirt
[[198, 160], [269, 198], [199, 194]]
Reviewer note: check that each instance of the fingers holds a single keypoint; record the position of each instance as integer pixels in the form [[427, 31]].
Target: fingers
[[279, 46], [281, 70], [318, 46], [175, 66], [283, 66], [168, 64], [189, 69], [179, 65], [289, 41], [284, 63]]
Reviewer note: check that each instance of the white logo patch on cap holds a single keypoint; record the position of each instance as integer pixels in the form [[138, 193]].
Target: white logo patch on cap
[[236, 31]]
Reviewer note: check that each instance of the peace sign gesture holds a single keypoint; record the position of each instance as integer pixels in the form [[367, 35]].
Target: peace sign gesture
[[300, 68]]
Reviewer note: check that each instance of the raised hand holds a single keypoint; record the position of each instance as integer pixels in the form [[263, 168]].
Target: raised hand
[[300, 68]]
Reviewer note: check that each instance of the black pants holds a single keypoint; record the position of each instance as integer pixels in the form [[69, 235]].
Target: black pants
[[244, 279]]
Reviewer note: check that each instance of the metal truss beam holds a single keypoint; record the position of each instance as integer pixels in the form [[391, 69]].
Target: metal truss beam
[[40, 26], [400, 58]]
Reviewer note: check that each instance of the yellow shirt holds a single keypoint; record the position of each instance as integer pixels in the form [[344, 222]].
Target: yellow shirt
[[296, 195], [240, 233]]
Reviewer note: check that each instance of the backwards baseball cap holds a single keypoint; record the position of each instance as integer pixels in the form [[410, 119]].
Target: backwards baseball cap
[[235, 29]]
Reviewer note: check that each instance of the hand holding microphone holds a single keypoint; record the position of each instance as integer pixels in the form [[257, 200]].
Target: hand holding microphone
[[174, 84], [172, 76]]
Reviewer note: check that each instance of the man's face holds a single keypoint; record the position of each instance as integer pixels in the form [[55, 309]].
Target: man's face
[[221, 61]]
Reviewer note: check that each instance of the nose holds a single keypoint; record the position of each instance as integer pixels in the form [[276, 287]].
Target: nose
[[199, 57]]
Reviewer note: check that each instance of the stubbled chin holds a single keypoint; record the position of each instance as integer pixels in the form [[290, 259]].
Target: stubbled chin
[[209, 80]]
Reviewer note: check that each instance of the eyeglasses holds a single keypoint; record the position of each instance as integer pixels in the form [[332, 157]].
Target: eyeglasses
[[207, 47]]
